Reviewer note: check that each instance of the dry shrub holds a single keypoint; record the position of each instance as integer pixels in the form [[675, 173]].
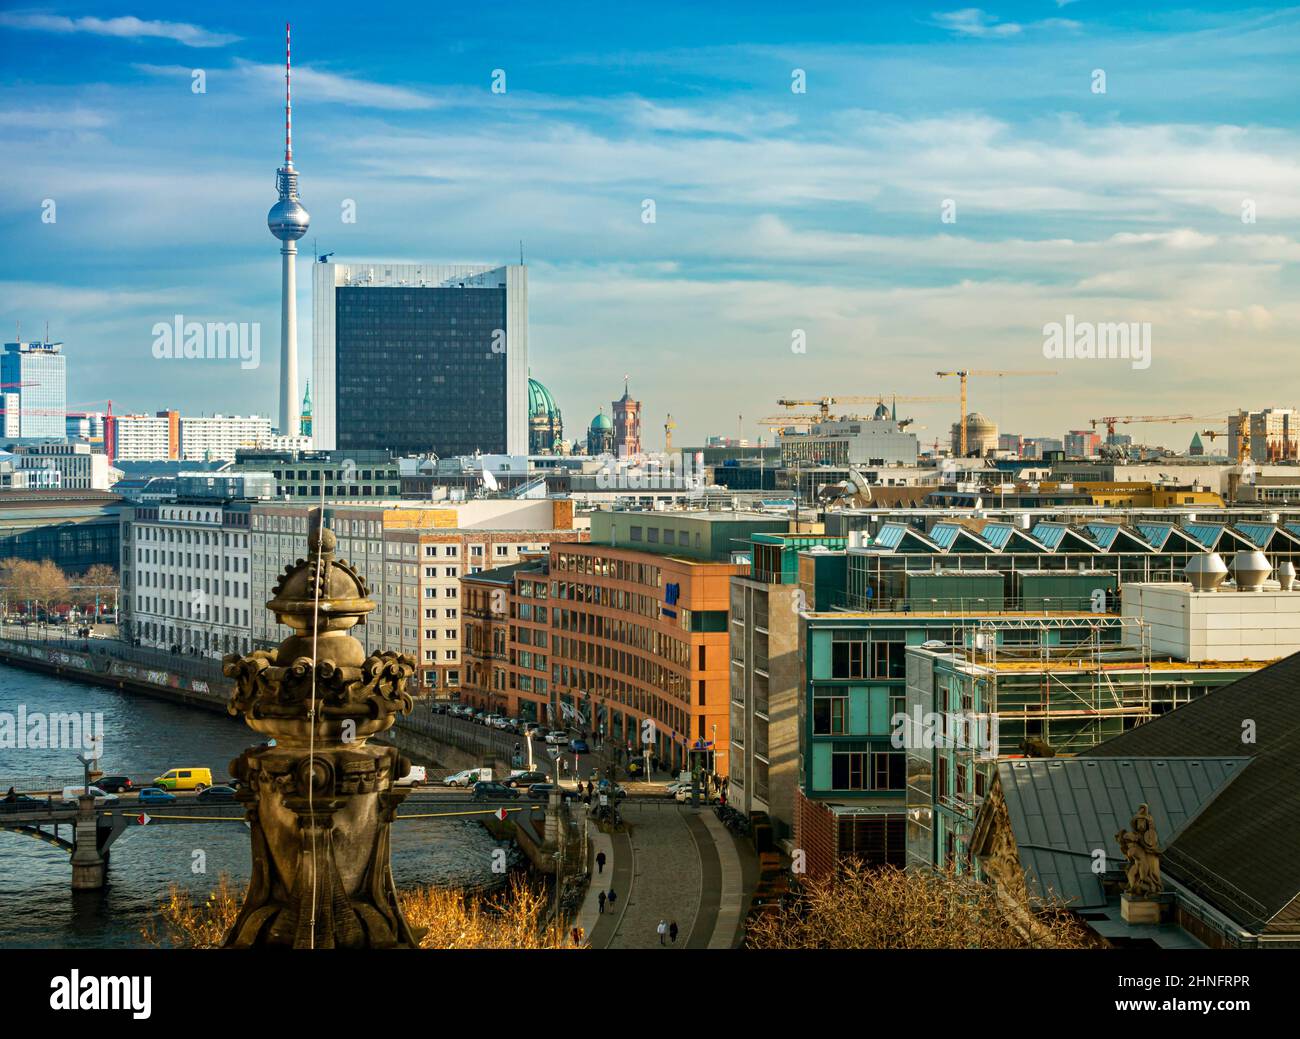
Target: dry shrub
[[885, 908], [514, 918]]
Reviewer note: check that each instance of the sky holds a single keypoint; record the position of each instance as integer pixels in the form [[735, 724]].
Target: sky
[[846, 198]]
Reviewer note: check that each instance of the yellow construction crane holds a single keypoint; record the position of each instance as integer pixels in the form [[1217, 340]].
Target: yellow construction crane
[[782, 421], [963, 375], [669, 426], [1243, 440], [824, 403], [1111, 421]]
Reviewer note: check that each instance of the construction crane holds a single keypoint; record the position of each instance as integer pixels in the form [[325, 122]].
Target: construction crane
[[782, 421], [1243, 441], [669, 426], [963, 375], [824, 403], [1111, 421]]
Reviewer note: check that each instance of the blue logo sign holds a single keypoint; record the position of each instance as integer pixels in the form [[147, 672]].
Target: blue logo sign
[[672, 592]]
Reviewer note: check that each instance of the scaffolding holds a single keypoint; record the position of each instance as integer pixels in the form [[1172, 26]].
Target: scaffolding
[[1069, 696]]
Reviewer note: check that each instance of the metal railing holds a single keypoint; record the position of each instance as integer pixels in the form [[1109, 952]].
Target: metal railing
[[851, 603]]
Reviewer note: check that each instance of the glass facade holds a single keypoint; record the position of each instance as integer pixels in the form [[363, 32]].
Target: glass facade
[[38, 374], [421, 369]]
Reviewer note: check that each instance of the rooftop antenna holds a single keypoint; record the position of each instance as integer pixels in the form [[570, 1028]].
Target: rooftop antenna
[[521, 252], [288, 105]]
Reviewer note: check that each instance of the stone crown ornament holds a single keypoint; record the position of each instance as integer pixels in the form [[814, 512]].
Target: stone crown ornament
[[319, 798]]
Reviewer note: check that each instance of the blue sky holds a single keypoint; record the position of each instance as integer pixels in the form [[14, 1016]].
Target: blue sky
[[774, 211]]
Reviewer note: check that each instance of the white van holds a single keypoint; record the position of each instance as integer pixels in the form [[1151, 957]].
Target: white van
[[418, 776], [71, 793], [469, 777]]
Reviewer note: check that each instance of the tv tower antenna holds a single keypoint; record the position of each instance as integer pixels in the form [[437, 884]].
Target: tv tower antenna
[[288, 221]]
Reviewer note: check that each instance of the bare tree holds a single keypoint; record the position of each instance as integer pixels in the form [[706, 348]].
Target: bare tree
[[98, 583], [887, 908]]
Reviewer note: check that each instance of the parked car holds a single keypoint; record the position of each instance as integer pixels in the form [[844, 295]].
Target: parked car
[[154, 795], [494, 792], [418, 776], [557, 738], [527, 778], [217, 795], [542, 792], [115, 784], [464, 778], [185, 779], [71, 793], [579, 747], [439, 708]]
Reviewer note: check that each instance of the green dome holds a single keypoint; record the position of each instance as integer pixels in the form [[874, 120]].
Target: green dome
[[540, 401], [602, 421]]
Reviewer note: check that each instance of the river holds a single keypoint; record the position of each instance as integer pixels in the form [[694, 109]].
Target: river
[[142, 738]]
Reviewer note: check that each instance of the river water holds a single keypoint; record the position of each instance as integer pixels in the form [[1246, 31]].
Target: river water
[[143, 738]]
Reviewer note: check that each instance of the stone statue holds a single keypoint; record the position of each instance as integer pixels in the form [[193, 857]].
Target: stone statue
[[1143, 854], [319, 797]]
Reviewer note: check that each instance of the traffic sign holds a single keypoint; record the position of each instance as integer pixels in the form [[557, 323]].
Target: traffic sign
[[501, 814], [554, 752], [143, 819]]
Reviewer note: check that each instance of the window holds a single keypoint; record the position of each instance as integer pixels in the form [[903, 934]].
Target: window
[[830, 714]]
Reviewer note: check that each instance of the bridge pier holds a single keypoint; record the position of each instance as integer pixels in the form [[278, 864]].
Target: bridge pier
[[89, 863]]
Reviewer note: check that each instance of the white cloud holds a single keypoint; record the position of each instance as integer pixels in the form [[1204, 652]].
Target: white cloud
[[127, 27], [317, 85], [972, 21]]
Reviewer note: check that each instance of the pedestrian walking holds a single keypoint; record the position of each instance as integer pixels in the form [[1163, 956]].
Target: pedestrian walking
[[672, 932], [662, 930], [601, 899], [613, 897], [600, 862]]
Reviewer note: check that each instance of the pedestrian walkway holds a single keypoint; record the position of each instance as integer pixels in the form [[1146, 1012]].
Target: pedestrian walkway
[[678, 864]]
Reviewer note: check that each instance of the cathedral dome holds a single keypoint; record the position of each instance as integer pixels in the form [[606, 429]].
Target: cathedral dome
[[540, 401], [601, 421]]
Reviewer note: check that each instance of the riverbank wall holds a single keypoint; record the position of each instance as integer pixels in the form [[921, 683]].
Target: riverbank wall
[[440, 743]]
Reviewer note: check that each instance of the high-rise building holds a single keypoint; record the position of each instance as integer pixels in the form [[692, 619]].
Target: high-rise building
[[211, 437], [34, 380], [1274, 434], [288, 222], [145, 438], [419, 358], [1082, 443]]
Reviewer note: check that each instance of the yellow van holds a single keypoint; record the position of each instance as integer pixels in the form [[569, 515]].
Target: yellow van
[[185, 779]]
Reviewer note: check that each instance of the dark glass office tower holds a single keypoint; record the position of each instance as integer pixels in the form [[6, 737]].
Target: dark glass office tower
[[416, 358]]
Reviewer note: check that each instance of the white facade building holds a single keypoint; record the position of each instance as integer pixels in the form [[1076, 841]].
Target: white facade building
[[78, 468], [185, 576], [145, 438], [220, 436]]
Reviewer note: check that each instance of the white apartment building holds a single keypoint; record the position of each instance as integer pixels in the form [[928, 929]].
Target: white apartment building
[[145, 438], [219, 436], [185, 576]]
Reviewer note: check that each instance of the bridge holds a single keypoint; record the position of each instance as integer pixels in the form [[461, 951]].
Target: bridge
[[93, 828]]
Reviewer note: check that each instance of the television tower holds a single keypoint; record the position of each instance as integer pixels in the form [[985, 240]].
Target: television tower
[[288, 222]]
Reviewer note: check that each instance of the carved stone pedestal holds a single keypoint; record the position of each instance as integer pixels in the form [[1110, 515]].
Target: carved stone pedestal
[[1145, 910], [320, 801]]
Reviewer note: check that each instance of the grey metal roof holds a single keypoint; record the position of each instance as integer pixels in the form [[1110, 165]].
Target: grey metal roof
[[1064, 810], [1242, 852]]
